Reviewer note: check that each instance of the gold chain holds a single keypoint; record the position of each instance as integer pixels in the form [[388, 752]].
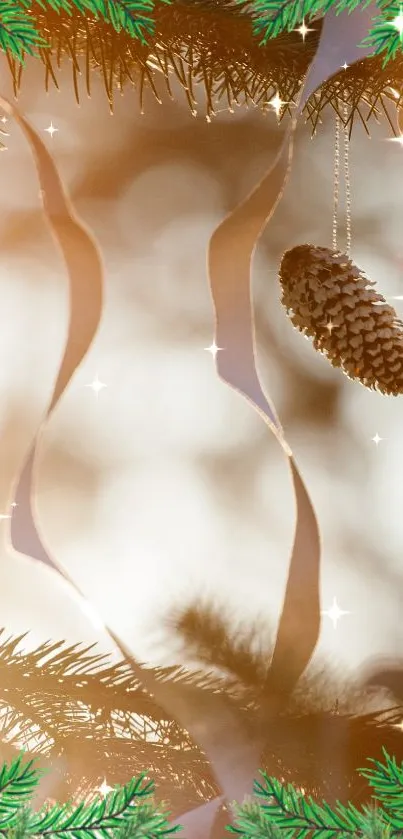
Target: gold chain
[[336, 181]]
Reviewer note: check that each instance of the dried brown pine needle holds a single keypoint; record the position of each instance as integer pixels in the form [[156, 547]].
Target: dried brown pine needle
[[210, 44]]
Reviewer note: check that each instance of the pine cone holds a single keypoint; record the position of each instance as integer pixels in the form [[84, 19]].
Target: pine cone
[[330, 300]]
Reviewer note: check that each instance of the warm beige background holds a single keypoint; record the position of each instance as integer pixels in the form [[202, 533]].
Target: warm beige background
[[168, 485]]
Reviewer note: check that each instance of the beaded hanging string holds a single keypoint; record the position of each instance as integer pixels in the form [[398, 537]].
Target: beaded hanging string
[[332, 301], [336, 181]]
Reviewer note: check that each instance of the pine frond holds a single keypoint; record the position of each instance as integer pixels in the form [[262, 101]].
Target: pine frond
[[68, 702], [18, 35], [250, 821], [132, 16], [17, 784], [209, 45], [146, 822], [387, 782], [100, 816], [292, 810], [208, 637], [21, 825]]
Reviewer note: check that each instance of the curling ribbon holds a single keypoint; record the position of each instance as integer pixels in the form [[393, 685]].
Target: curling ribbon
[[212, 723], [208, 718], [230, 255]]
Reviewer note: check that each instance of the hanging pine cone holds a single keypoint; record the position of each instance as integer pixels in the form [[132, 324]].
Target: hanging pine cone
[[330, 300]]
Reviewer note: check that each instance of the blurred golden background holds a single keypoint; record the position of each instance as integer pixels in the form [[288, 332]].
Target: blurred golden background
[[167, 486]]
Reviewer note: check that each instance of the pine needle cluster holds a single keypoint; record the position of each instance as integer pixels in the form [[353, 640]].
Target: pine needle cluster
[[235, 52], [286, 812], [127, 812], [269, 18]]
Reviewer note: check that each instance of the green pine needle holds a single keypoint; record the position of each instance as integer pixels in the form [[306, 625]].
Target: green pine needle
[[101, 817], [132, 16], [272, 17], [269, 18], [17, 31], [288, 813], [146, 823], [129, 812], [387, 782], [17, 785], [126, 812], [21, 826], [251, 822]]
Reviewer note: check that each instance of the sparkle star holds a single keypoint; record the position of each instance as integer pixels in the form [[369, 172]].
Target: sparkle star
[[330, 327], [213, 349], [335, 613], [96, 385], [377, 439], [397, 22], [51, 129], [345, 66], [277, 103], [104, 788], [303, 30]]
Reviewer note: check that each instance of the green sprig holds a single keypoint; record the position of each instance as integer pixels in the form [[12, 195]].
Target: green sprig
[[18, 34], [269, 18], [17, 784], [127, 812], [286, 812]]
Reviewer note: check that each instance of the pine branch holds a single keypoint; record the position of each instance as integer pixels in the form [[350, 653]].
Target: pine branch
[[17, 784], [21, 826], [102, 816], [132, 16], [385, 36], [18, 34], [272, 17], [269, 19], [387, 782], [127, 812], [146, 823], [301, 816], [251, 822]]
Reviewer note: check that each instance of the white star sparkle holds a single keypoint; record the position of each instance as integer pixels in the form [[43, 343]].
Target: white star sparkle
[[377, 439], [330, 327], [397, 22], [51, 129], [96, 385], [303, 30], [277, 103], [335, 613], [345, 66], [213, 349], [104, 788]]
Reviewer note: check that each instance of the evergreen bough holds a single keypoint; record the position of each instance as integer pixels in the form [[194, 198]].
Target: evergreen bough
[[19, 36], [286, 813], [126, 812]]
